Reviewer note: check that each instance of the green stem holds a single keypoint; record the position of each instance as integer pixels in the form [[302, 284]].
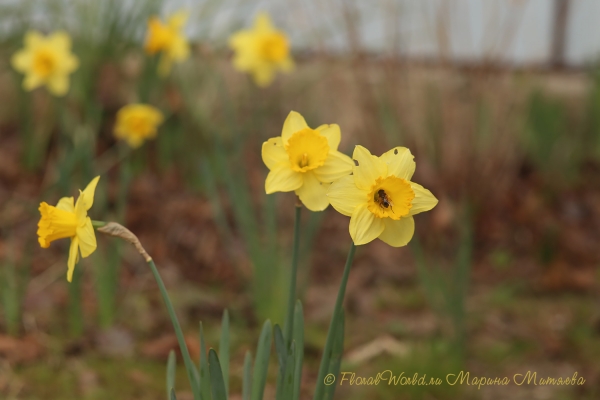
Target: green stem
[[289, 319], [98, 224], [189, 365], [320, 386]]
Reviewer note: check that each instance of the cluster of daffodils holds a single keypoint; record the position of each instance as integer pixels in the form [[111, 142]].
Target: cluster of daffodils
[[375, 192]]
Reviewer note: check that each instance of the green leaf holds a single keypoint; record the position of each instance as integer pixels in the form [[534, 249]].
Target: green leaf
[[335, 360], [172, 395], [282, 359], [261, 364], [216, 377], [224, 350], [288, 377], [247, 379], [171, 373], [298, 338], [204, 374]]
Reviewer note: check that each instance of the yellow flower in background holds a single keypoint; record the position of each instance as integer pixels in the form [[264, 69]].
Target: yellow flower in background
[[70, 220], [305, 160], [261, 51], [136, 123], [46, 60], [379, 197], [169, 39]]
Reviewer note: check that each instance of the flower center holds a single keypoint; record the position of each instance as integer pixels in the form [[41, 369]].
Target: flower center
[[307, 150], [55, 224], [275, 47], [139, 126], [390, 197], [160, 37], [43, 63]]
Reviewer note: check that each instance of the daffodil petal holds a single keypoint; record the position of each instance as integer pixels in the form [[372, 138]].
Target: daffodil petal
[[332, 133], [58, 85], [177, 20], [73, 258], [364, 226], [337, 165], [293, 123], [313, 193], [60, 40], [423, 201], [400, 162], [345, 196], [263, 76], [89, 192], [21, 60], [87, 238], [32, 81], [263, 23], [369, 168], [273, 152], [66, 204], [33, 38], [283, 179], [397, 233]]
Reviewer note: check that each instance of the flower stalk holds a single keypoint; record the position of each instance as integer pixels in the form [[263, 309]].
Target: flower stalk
[[289, 319], [335, 319]]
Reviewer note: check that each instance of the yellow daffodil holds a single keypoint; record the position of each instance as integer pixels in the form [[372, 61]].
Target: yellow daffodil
[[136, 123], [261, 51], [305, 160], [70, 220], [379, 197], [169, 39], [46, 61]]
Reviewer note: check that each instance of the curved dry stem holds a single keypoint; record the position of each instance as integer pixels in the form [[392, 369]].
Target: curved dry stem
[[118, 230]]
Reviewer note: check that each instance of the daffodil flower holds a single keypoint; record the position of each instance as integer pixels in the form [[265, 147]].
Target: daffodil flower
[[169, 39], [70, 220], [46, 61], [136, 123], [261, 51], [379, 197], [305, 160]]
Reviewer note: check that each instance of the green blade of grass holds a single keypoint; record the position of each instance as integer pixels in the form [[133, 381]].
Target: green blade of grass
[[204, 375], [280, 349], [170, 373], [217, 383], [261, 363], [173, 397], [335, 360], [288, 378], [224, 350], [247, 379]]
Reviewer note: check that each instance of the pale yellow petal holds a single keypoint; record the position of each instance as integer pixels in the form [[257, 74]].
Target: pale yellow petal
[[283, 179], [345, 196], [273, 152], [332, 133], [89, 192], [423, 201], [364, 226], [60, 41], [33, 39], [369, 168], [400, 162], [313, 193], [73, 257], [397, 233], [32, 81], [337, 165], [293, 123], [21, 60], [177, 20], [58, 85], [263, 75], [66, 204], [87, 238], [262, 22]]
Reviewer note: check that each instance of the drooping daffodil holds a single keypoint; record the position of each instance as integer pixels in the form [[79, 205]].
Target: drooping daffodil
[[70, 220]]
